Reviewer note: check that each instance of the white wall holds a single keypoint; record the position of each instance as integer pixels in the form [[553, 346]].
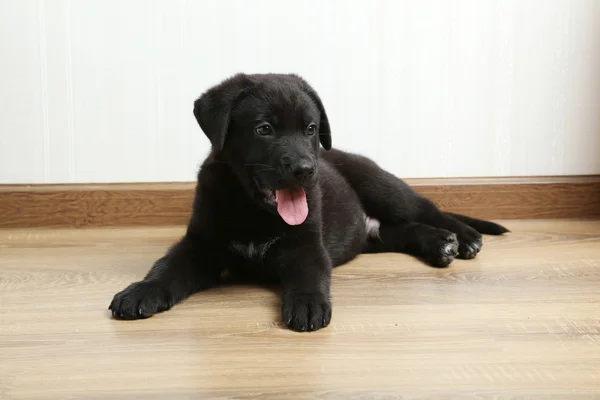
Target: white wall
[[102, 91]]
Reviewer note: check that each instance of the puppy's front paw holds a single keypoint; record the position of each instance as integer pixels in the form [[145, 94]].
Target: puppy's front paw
[[470, 243], [306, 311], [140, 300], [441, 248]]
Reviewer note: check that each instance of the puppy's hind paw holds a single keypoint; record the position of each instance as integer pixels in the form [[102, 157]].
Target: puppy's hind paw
[[471, 243], [442, 248]]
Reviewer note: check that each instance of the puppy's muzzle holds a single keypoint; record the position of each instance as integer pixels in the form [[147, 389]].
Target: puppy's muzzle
[[303, 171], [300, 171]]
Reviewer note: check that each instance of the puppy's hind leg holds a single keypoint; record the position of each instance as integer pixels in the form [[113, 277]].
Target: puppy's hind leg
[[469, 230], [384, 196], [438, 247], [393, 202]]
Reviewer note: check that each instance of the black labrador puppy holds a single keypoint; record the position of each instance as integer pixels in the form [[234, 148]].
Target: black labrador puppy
[[270, 204]]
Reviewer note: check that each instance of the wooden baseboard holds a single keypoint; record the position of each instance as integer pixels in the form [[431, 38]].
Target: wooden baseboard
[[148, 204]]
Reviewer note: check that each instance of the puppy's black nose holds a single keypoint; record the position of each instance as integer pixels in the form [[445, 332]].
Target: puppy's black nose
[[303, 170]]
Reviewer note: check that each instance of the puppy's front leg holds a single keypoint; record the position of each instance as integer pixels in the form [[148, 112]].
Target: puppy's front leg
[[306, 279], [189, 266]]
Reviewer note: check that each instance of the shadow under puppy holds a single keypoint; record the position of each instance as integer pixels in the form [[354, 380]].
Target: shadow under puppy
[[272, 205]]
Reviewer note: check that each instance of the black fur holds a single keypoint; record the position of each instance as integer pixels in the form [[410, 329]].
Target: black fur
[[266, 132]]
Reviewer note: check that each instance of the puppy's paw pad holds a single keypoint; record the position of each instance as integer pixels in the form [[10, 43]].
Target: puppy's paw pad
[[140, 300], [471, 243], [469, 250], [442, 249], [306, 311], [450, 249]]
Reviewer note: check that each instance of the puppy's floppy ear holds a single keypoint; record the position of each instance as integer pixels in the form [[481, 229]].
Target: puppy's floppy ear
[[324, 128], [213, 107]]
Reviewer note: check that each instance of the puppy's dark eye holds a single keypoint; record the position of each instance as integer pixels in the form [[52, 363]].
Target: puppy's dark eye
[[264, 130], [312, 129]]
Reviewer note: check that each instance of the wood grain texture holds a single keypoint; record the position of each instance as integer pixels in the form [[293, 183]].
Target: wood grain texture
[[520, 321], [163, 204]]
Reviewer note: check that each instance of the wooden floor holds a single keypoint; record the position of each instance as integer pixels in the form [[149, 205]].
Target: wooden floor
[[520, 320]]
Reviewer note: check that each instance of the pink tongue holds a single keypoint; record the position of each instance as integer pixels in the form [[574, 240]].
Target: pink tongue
[[292, 206]]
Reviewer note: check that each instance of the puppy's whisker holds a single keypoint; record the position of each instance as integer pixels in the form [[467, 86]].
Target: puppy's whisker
[[265, 169], [246, 165], [258, 165]]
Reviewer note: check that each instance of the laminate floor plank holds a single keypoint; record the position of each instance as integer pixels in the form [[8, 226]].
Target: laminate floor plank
[[522, 320]]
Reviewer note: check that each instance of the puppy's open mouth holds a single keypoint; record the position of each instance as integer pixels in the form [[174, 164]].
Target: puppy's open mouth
[[291, 203]]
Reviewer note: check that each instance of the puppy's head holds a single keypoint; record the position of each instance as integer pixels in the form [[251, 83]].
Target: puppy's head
[[268, 128]]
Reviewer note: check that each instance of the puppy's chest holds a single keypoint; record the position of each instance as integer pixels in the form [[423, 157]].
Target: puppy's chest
[[253, 250], [252, 234]]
